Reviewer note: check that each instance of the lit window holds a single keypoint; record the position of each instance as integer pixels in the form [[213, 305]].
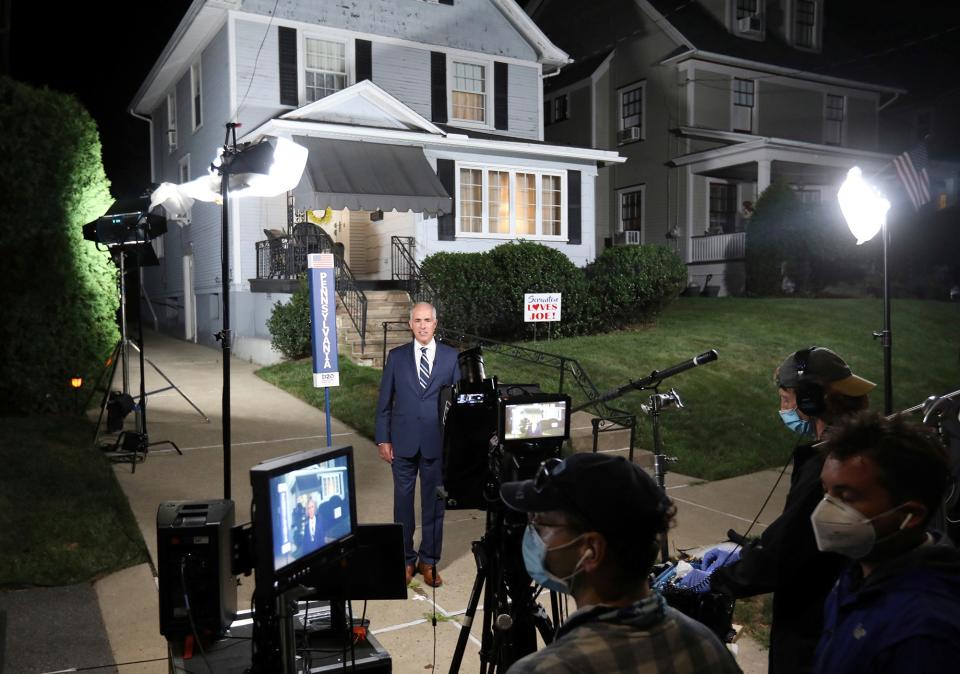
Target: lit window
[[502, 202], [197, 94], [172, 121], [469, 90], [325, 68]]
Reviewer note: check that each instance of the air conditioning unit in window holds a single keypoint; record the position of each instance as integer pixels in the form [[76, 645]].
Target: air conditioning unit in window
[[626, 135], [751, 24], [629, 237]]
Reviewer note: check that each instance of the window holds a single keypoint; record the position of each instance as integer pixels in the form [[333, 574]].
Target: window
[[469, 92], [743, 105], [631, 108], [631, 210], [560, 108], [809, 196], [172, 121], [183, 175], [805, 21], [747, 8], [196, 93], [723, 208], [325, 68], [505, 202], [833, 120]]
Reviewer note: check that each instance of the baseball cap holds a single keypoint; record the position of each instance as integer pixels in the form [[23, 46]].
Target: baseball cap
[[612, 496], [820, 365]]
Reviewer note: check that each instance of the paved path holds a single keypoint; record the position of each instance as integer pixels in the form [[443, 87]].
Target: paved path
[[267, 422]]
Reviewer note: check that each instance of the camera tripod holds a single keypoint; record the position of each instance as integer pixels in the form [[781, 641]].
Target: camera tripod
[[130, 446]]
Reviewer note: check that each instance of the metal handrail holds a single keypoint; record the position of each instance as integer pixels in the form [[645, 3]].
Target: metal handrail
[[404, 268]]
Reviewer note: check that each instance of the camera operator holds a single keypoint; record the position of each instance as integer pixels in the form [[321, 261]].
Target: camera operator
[[594, 523], [896, 606], [817, 390]]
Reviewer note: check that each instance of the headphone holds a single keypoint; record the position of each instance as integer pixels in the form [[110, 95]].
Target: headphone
[[810, 394]]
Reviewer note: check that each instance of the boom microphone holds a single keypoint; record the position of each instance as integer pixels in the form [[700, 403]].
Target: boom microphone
[[702, 359]]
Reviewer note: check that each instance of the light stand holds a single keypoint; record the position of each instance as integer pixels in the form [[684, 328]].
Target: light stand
[[865, 210]]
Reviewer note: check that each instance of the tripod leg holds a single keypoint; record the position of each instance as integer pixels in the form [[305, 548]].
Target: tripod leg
[[177, 389], [110, 371], [472, 604], [166, 442]]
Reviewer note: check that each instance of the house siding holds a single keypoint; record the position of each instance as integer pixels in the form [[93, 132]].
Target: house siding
[[862, 123], [473, 25], [258, 89], [403, 72], [711, 100], [790, 112]]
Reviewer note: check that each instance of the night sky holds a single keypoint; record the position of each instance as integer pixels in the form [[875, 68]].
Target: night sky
[[69, 47]]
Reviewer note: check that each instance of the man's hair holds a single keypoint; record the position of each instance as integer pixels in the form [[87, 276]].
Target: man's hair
[[432, 309], [837, 406], [911, 462]]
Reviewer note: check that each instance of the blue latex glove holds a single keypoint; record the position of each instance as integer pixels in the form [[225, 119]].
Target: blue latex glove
[[714, 558], [696, 580]]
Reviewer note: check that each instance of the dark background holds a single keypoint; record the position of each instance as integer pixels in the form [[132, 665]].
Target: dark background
[[101, 52]]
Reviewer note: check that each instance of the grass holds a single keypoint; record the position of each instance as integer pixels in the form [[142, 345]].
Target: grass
[[756, 615], [729, 425], [63, 517]]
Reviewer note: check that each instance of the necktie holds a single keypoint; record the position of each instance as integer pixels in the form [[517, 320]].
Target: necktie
[[424, 368]]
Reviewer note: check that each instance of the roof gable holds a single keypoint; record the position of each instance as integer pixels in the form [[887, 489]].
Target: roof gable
[[363, 104]]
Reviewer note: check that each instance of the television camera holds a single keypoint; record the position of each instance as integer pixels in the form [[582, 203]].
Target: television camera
[[495, 433]]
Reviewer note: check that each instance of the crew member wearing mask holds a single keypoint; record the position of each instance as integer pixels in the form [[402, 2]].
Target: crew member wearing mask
[[594, 524], [896, 607], [817, 390]]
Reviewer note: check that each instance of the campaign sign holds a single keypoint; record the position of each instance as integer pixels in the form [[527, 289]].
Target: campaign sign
[[541, 307], [323, 319]]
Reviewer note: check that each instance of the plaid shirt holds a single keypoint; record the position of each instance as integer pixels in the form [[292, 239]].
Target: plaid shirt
[[647, 637]]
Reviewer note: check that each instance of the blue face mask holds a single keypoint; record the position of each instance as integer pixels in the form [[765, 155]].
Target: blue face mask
[[791, 419], [534, 557]]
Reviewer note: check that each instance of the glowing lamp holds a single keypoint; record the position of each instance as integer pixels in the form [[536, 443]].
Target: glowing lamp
[[863, 206]]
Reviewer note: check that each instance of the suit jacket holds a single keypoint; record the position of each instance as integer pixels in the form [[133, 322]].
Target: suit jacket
[[407, 415]]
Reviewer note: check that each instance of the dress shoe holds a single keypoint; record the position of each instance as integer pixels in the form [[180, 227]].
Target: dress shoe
[[430, 575], [411, 571]]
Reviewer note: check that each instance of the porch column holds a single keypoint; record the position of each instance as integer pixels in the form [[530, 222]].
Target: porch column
[[763, 175]]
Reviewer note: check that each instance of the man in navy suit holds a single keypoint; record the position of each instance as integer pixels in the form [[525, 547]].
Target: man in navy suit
[[409, 437]]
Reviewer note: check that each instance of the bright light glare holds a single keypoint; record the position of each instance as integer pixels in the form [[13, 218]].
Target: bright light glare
[[863, 206]]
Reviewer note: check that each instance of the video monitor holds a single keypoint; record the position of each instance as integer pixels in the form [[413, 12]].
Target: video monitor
[[534, 417], [305, 513]]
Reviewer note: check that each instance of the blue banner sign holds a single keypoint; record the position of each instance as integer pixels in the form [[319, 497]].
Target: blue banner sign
[[323, 319]]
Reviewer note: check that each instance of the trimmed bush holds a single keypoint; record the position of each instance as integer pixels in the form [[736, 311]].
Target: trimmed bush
[[769, 240], [289, 325], [59, 293], [634, 283]]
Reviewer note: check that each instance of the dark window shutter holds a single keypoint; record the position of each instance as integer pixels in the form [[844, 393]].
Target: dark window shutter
[[446, 223], [289, 90], [446, 2], [438, 87], [573, 208], [364, 57], [500, 82]]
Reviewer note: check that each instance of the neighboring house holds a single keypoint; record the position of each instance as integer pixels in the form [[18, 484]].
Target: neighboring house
[[710, 101], [424, 124]]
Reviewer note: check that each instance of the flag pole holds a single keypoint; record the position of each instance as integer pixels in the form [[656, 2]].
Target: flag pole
[[886, 335]]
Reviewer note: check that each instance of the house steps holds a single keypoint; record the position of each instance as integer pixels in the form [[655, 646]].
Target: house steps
[[382, 306]]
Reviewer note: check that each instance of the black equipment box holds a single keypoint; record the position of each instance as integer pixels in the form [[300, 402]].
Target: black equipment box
[[193, 567], [231, 654]]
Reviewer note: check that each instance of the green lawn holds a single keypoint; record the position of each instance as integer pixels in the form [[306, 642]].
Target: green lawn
[[63, 517], [730, 424]]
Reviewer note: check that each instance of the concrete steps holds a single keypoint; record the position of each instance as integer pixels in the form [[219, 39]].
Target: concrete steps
[[382, 306]]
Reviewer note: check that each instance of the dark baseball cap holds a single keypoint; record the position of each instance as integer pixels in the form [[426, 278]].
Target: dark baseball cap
[[610, 494], [820, 365]]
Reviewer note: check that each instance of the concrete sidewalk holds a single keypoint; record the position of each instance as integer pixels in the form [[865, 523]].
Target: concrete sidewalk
[[267, 422]]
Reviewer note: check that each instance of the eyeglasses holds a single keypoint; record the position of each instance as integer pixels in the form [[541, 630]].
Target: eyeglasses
[[548, 469]]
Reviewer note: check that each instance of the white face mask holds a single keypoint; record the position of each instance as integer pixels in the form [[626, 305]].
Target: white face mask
[[841, 528]]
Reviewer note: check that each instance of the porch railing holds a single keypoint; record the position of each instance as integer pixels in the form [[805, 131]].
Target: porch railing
[[404, 268], [285, 257], [718, 247]]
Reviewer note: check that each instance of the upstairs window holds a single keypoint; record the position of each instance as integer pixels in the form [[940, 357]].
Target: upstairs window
[[743, 104], [325, 68], [196, 92], [560, 112], [747, 8], [631, 113], [804, 24], [172, 121], [723, 208], [748, 19], [469, 92], [833, 120]]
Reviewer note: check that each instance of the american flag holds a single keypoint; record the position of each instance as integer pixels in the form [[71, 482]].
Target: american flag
[[912, 170]]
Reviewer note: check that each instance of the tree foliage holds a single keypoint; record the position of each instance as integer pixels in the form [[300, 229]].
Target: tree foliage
[[58, 292]]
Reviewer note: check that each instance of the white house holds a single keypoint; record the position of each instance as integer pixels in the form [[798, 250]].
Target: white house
[[424, 123]]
